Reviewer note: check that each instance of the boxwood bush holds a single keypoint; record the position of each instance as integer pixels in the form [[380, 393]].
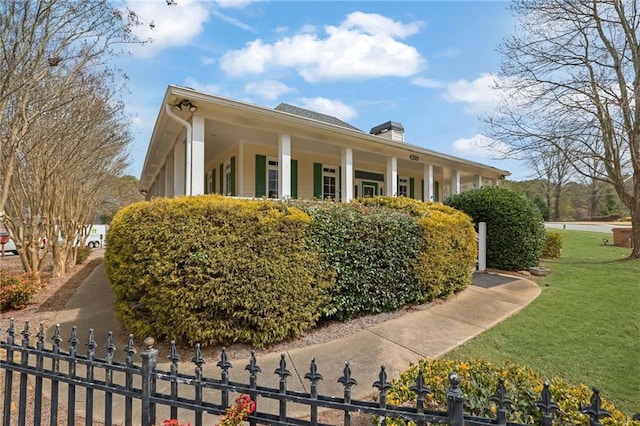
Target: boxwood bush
[[552, 245], [515, 229], [213, 270], [479, 380]]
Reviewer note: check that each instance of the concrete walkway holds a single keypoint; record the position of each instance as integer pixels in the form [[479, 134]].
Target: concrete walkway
[[427, 332]]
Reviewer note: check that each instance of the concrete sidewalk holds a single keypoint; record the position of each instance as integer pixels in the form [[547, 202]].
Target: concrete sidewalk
[[426, 332]]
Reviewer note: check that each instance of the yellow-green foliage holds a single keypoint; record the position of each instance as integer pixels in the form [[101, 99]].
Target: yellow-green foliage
[[447, 264], [17, 289], [479, 380], [82, 255], [213, 270], [552, 246]]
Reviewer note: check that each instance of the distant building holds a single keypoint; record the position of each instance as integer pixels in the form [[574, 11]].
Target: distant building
[[207, 144]]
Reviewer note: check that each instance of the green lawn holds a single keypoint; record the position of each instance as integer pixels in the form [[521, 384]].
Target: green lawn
[[584, 327]]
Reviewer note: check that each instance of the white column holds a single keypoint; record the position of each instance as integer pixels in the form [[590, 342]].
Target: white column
[[240, 171], [392, 177], [179, 167], [482, 246], [168, 177], [428, 182], [197, 156], [478, 181], [346, 183], [284, 166], [455, 181]]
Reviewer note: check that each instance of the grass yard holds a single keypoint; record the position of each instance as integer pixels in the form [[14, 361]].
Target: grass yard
[[584, 327]]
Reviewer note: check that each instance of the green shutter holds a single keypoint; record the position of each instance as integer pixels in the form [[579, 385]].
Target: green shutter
[[294, 178], [436, 191], [233, 176], [339, 186], [261, 176], [422, 189], [317, 181], [213, 181], [411, 188], [222, 179]]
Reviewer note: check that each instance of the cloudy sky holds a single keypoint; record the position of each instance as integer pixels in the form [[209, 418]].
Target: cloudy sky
[[426, 64]]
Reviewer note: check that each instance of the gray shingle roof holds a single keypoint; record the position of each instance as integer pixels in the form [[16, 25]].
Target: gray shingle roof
[[291, 109]]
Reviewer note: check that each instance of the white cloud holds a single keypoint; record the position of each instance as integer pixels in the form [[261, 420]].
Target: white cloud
[[173, 26], [232, 21], [362, 46], [480, 146], [330, 107], [267, 89], [479, 94], [207, 60], [235, 4], [427, 83], [212, 89]]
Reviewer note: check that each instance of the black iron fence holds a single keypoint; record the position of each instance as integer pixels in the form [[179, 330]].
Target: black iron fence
[[35, 373]]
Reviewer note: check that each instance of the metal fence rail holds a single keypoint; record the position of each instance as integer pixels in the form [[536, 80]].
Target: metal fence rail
[[99, 380]]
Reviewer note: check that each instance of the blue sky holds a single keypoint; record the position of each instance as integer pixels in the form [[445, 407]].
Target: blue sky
[[426, 64]]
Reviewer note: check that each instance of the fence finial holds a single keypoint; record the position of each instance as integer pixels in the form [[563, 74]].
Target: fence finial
[[595, 410]]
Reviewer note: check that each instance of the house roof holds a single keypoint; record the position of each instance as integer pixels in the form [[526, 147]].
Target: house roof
[[329, 119], [287, 118]]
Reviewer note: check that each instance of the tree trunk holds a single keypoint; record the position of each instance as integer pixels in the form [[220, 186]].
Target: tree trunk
[[556, 202]]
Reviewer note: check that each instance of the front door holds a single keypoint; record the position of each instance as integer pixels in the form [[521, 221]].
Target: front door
[[369, 189]]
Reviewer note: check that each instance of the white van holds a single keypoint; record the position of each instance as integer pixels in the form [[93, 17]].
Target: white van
[[97, 236]]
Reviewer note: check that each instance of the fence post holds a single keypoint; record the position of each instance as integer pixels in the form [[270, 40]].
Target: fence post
[[149, 361], [482, 246], [455, 401]]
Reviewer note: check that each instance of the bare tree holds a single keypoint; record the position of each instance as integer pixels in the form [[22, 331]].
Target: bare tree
[[68, 162], [554, 170], [37, 39], [571, 73]]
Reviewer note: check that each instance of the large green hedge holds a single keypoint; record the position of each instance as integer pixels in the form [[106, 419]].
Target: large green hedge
[[447, 262], [373, 251], [515, 229], [214, 270]]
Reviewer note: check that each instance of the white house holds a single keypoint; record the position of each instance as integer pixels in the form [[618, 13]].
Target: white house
[[207, 144]]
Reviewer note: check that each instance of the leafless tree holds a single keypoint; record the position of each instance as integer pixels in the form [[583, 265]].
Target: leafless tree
[[67, 163], [38, 38], [553, 168], [571, 73]]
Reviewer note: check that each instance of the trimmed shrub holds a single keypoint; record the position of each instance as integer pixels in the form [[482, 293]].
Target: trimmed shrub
[[16, 290], [479, 380], [372, 250], [447, 263], [215, 270], [515, 230], [552, 245], [82, 255]]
